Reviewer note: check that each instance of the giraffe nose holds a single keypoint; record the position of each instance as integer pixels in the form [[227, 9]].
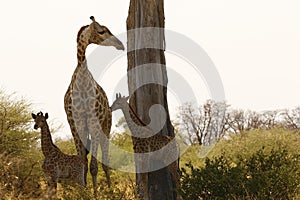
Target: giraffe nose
[[35, 127], [120, 46], [114, 41]]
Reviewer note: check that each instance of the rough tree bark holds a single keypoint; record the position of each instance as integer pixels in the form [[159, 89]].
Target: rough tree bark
[[149, 13]]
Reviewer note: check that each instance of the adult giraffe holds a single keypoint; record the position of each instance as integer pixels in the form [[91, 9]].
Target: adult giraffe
[[86, 103]]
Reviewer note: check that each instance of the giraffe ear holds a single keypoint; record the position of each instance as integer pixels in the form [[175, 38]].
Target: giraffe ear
[[46, 116], [33, 116]]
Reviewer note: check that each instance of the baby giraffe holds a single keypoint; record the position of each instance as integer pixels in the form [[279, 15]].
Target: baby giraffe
[[148, 145], [57, 165]]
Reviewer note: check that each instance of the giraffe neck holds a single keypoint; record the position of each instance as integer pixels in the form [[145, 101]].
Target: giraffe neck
[[81, 48], [47, 145], [137, 127], [82, 44], [131, 117], [82, 73]]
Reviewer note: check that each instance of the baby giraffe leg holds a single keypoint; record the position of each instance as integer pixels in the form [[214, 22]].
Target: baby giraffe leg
[[51, 189]]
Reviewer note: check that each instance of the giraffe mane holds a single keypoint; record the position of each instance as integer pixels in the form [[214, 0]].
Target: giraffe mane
[[80, 31]]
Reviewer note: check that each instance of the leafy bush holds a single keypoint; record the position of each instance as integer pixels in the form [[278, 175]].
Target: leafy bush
[[121, 151], [249, 142], [20, 172], [264, 175]]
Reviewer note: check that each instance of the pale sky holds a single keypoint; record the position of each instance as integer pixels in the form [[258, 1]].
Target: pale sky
[[255, 46]]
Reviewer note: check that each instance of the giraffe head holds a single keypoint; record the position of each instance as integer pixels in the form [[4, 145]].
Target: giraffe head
[[98, 34], [119, 102], [39, 119]]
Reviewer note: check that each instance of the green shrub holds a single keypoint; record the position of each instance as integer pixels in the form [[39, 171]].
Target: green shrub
[[264, 175], [20, 172]]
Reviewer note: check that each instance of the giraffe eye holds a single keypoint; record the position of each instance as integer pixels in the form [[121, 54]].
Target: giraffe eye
[[101, 32]]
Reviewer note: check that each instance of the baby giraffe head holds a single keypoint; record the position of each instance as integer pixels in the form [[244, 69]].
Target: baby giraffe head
[[39, 119], [98, 34], [119, 102]]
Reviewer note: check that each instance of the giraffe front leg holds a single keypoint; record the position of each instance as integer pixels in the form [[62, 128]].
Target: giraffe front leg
[[78, 171], [81, 140], [80, 133], [104, 144]]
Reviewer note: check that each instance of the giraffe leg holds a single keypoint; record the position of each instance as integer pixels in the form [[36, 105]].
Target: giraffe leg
[[104, 144], [79, 175], [94, 163], [51, 189], [80, 133]]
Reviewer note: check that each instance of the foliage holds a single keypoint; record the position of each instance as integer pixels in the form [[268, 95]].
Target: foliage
[[262, 176], [20, 158], [255, 165], [121, 154], [123, 185], [122, 188], [66, 146], [21, 175], [249, 142], [248, 164]]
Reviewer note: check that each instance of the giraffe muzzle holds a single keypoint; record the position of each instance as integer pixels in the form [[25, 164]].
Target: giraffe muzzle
[[114, 41]]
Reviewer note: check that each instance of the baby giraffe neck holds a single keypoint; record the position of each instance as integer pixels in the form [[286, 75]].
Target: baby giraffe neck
[[47, 143], [137, 127], [134, 116], [130, 116]]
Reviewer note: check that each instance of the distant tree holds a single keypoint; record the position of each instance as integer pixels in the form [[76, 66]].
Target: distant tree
[[291, 119], [217, 127], [191, 123], [209, 122], [202, 125], [238, 120], [271, 119]]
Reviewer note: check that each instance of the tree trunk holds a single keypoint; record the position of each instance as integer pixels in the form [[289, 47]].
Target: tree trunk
[[147, 84]]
